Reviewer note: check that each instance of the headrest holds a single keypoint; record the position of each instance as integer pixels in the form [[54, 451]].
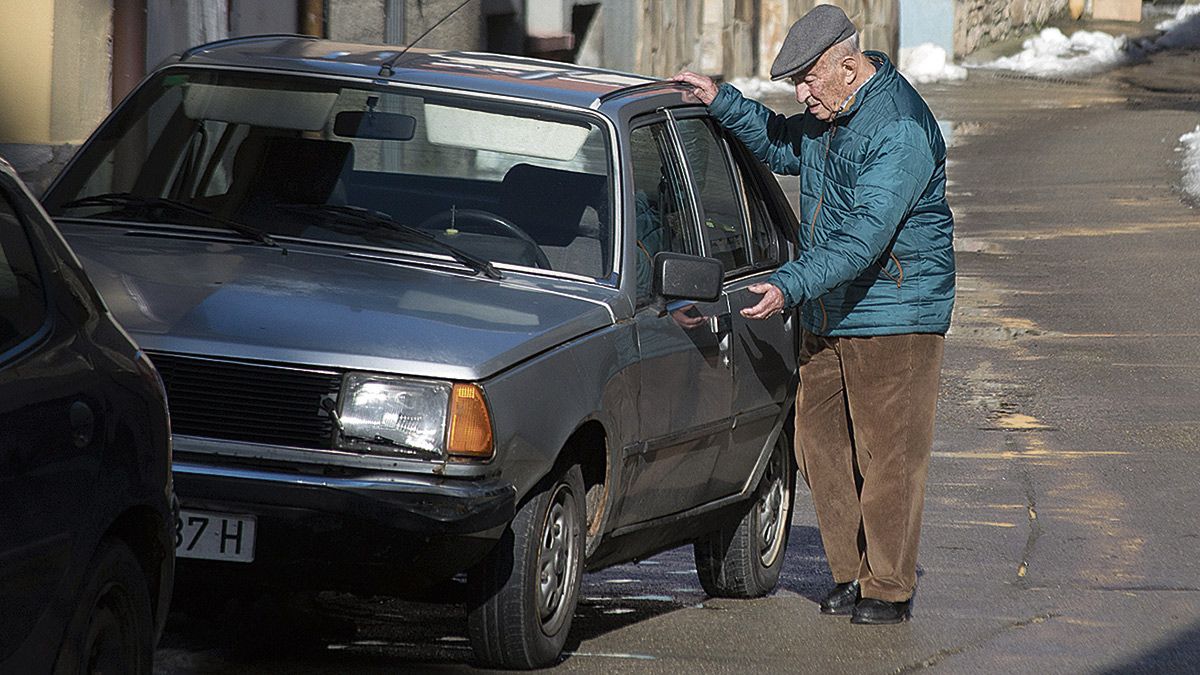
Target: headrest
[[548, 204], [300, 170]]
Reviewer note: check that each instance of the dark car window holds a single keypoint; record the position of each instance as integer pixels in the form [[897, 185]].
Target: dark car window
[[22, 303], [764, 237], [724, 225], [664, 219]]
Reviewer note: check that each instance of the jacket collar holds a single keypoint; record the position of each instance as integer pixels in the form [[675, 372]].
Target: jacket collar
[[884, 73]]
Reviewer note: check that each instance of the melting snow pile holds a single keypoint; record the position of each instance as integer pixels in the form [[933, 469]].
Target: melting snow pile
[[1053, 53], [1191, 162], [929, 63]]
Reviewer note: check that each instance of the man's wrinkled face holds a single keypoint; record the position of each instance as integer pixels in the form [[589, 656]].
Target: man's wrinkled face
[[819, 88]]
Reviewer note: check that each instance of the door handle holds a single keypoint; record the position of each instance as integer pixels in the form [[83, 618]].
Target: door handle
[[83, 424], [722, 327], [721, 324]]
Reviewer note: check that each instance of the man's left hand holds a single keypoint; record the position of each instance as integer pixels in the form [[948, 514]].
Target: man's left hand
[[702, 87], [769, 305]]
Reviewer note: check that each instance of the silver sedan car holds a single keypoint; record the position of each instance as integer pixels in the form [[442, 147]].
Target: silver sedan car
[[446, 317]]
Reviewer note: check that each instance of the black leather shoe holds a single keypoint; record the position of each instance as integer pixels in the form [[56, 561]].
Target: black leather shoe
[[841, 599], [874, 612]]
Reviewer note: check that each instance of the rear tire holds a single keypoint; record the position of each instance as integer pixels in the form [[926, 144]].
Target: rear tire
[[743, 559], [111, 629], [524, 594]]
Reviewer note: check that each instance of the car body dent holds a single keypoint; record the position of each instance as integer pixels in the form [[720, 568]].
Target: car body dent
[[600, 385]]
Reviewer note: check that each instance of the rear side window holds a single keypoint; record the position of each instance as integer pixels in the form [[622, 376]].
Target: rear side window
[[724, 224], [22, 303], [764, 239]]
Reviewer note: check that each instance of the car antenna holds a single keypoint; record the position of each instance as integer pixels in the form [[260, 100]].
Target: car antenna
[[386, 69]]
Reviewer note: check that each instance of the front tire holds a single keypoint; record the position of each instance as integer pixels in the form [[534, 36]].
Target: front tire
[[111, 629], [525, 592], [743, 559]]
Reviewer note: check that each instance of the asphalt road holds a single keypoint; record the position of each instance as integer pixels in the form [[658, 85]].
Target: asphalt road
[[1060, 534]]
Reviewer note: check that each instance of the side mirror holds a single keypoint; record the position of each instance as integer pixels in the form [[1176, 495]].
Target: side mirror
[[678, 276]]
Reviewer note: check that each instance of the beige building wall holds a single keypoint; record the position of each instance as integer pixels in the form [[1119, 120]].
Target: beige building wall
[[26, 61], [55, 66], [55, 72]]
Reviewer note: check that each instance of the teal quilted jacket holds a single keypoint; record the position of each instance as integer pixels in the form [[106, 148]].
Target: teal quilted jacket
[[876, 242]]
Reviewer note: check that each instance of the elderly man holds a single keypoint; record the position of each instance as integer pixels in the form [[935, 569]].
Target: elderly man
[[875, 280]]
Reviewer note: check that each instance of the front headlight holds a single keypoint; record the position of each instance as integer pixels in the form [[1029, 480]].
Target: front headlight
[[383, 414]]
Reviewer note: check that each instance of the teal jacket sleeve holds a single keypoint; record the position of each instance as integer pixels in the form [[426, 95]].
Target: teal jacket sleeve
[[897, 169], [773, 138]]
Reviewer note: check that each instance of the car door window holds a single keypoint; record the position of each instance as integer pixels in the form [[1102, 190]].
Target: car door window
[[663, 217], [22, 304], [724, 222], [764, 239]]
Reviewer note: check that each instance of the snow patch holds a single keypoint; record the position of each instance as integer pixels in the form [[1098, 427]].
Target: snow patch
[[1184, 13], [1180, 32], [929, 63], [1191, 162]]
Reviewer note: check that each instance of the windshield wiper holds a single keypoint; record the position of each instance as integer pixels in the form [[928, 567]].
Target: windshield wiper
[[346, 213], [121, 199]]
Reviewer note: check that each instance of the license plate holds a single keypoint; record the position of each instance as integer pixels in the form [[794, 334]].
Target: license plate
[[214, 536]]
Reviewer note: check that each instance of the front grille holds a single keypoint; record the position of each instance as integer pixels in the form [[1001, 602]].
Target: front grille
[[246, 401]]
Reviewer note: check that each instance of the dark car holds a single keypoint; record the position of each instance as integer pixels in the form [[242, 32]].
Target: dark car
[[86, 522], [430, 313]]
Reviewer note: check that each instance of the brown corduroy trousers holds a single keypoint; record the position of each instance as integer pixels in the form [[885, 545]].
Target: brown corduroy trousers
[[864, 429]]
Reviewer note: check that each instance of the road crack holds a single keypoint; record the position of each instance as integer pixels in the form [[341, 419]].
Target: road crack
[[1035, 526], [942, 654]]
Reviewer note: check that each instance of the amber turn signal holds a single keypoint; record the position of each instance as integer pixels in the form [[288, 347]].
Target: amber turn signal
[[470, 423]]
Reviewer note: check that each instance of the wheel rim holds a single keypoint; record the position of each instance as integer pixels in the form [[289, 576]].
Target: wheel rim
[[557, 557], [772, 509], [111, 644]]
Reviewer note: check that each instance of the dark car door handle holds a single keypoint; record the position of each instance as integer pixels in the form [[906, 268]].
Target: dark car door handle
[[83, 424], [722, 327], [721, 324]]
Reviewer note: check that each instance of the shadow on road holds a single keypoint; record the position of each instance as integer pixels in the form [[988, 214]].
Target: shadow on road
[[344, 633], [1178, 654]]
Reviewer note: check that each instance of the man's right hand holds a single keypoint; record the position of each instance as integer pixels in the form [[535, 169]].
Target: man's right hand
[[770, 304], [702, 87]]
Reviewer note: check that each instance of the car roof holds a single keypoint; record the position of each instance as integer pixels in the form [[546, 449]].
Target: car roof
[[499, 74]]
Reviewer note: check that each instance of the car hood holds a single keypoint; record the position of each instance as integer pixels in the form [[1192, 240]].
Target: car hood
[[326, 307]]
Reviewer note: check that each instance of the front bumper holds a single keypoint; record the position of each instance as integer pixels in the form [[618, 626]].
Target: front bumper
[[413, 504], [403, 531]]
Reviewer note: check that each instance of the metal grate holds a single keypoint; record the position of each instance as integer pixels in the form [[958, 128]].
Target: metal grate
[[246, 401]]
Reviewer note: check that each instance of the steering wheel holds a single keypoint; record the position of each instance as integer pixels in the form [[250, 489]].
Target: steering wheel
[[488, 220]]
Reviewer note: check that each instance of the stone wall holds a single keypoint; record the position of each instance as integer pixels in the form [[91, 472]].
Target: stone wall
[[982, 22]]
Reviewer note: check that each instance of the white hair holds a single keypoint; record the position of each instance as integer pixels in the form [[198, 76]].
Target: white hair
[[847, 47]]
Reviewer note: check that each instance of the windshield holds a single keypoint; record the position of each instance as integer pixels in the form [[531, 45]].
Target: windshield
[[299, 158]]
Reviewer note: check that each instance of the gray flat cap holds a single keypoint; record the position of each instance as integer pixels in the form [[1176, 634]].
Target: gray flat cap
[[823, 27]]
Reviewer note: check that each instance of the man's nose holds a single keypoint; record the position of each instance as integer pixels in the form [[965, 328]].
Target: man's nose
[[802, 92]]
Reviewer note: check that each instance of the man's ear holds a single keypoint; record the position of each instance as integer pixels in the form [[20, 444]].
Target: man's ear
[[849, 69]]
